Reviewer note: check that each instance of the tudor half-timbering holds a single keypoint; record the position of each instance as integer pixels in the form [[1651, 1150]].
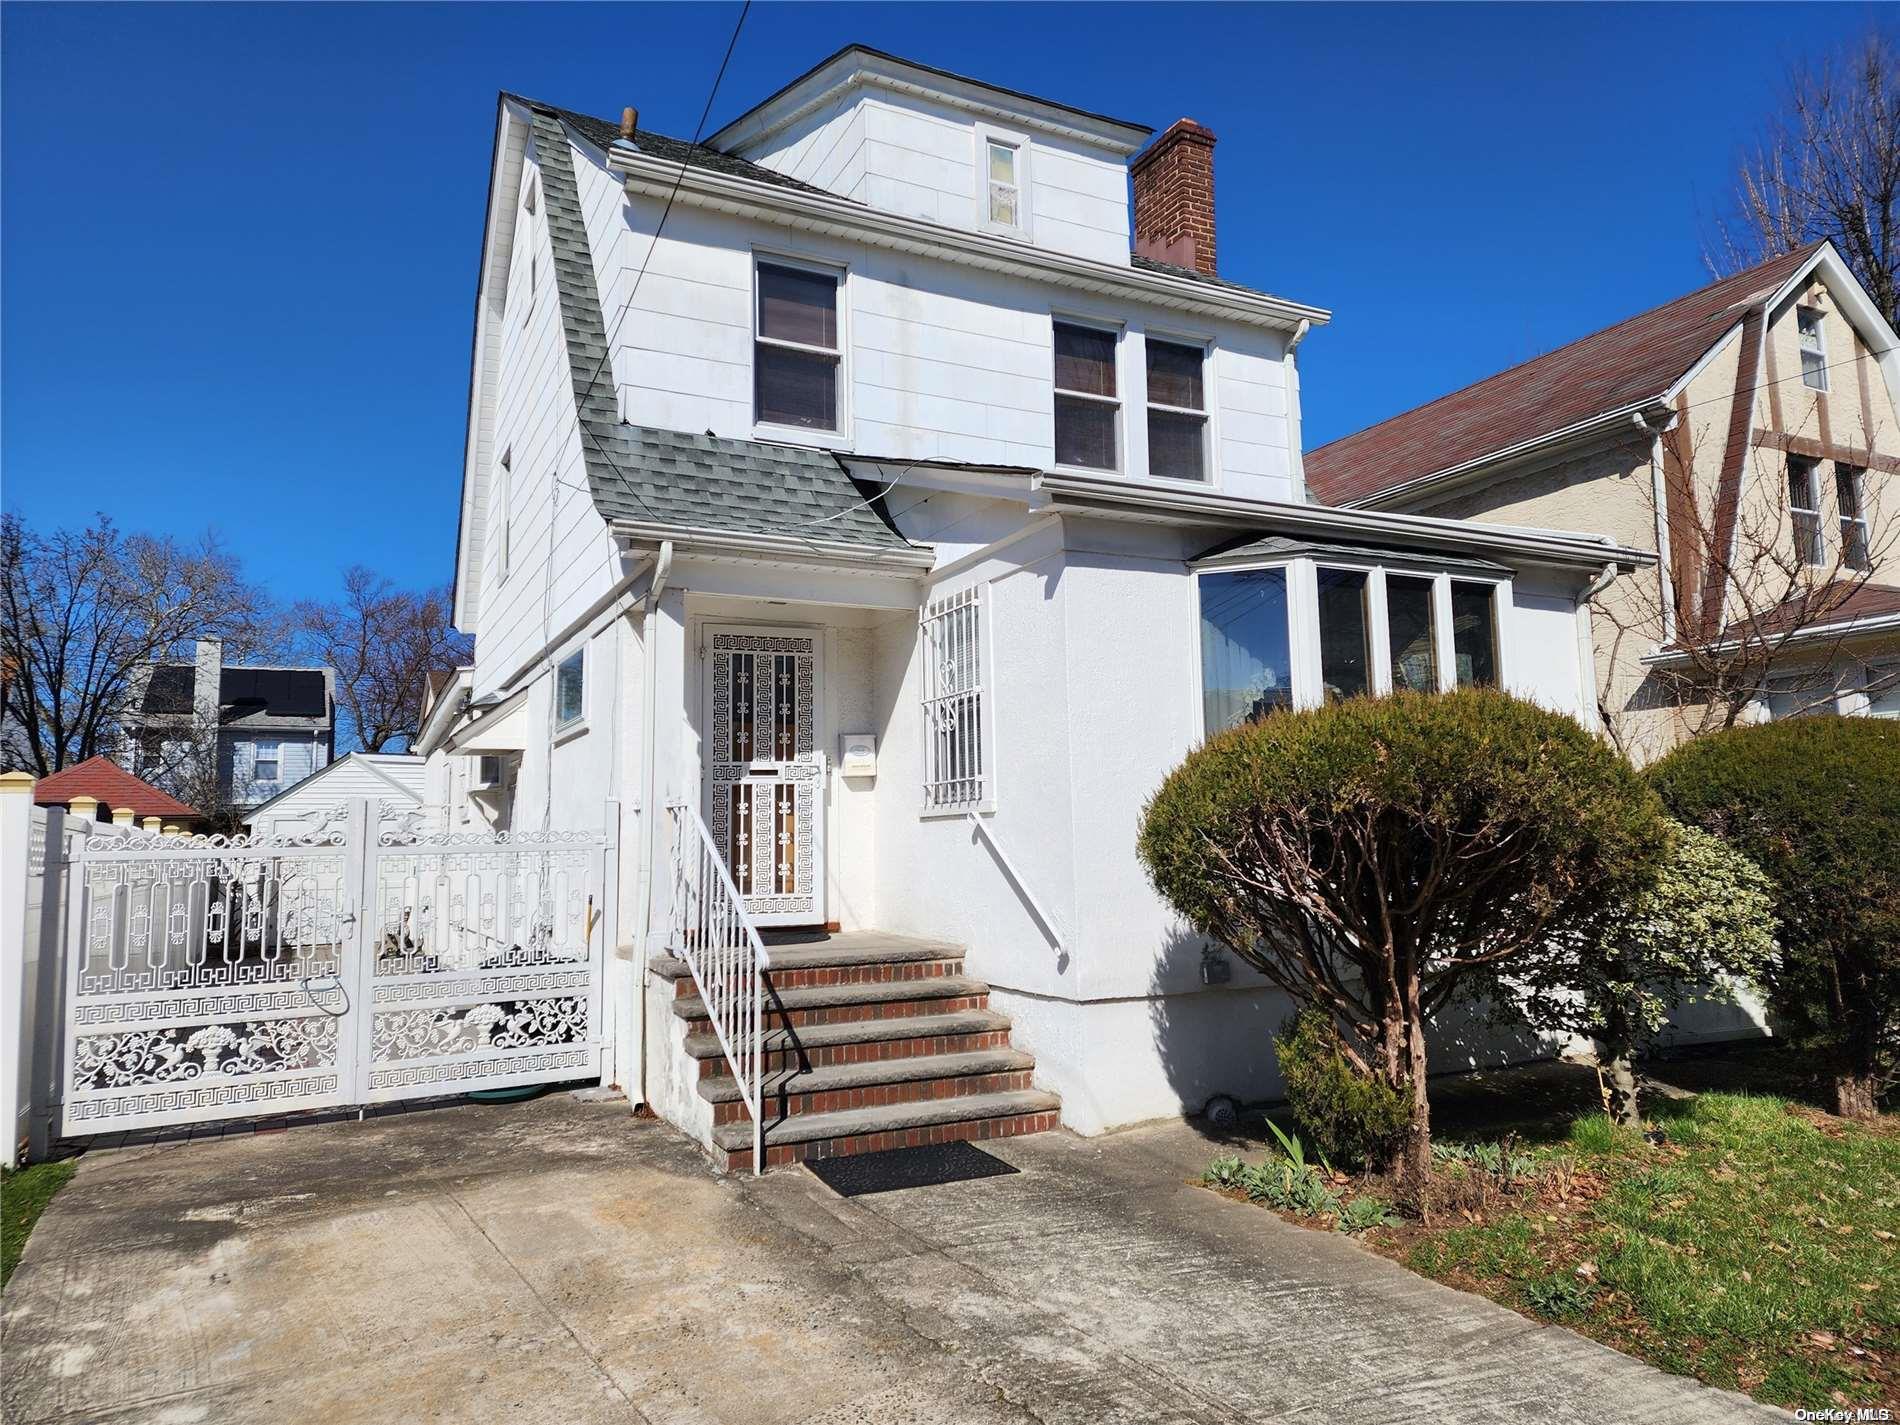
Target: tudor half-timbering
[[878, 533], [1746, 431]]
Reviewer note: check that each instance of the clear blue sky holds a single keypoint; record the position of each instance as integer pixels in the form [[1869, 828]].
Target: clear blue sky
[[240, 242]]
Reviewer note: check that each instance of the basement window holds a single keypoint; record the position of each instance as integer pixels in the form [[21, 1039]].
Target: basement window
[[1810, 322]]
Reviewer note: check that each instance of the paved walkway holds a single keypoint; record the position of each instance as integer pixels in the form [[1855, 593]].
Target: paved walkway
[[563, 1262]]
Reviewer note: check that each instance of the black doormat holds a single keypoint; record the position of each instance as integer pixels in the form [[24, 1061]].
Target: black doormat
[[896, 1168]]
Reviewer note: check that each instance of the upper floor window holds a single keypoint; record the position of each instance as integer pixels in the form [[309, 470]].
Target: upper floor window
[[1246, 650], [1849, 481], [1804, 508], [570, 689], [1002, 173], [1087, 408], [1177, 411], [267, 762], [796, 355], [1809, 322]]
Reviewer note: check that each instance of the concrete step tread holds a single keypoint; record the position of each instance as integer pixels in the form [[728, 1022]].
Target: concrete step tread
[[705, 1044], [829, 1077], [857, 1122], [881, 950], [832, 996]]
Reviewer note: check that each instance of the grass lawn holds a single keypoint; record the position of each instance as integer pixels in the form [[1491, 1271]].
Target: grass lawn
[[23, 1197], [1757, 1247]]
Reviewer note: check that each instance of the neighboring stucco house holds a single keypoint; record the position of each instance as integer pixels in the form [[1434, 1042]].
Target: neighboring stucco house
[[891, 523], [1745, 431], [268, 727]]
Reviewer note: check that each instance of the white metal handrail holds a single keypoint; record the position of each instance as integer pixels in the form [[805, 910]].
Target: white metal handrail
[[1043, 918], [710, 930]]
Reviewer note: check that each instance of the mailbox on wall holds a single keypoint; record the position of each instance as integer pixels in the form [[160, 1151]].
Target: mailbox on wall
[[857, 754]]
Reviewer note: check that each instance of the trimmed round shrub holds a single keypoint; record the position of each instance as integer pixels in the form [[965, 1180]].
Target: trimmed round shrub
[[1352, 1118], [1372, 857], [1815, 802]]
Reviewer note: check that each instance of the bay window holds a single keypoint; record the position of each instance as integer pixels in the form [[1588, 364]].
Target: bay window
[[795, 353], [1087, 407], [1246, 650], [1474, 634], [1344, 654], [1411, 632], [1177, 411]]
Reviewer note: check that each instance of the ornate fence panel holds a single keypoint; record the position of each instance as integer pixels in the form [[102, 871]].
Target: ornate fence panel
[[225, 977], [208, 977], [486, 960]]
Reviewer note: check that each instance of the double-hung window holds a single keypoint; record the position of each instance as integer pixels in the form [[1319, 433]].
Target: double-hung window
[[1003, 197], [1804, 508], [1177, 410], [1810, 326], [266, 761], [956, 750], [796, 354], [1849, 492], [1087, 407], [570, 690]]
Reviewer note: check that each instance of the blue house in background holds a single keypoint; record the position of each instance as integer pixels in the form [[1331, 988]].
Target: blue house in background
[[271, 727]]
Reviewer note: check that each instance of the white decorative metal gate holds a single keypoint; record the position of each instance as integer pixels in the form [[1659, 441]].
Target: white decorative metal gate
[[223, 977]]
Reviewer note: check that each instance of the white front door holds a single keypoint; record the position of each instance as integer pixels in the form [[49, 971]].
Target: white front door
[[765, 775]]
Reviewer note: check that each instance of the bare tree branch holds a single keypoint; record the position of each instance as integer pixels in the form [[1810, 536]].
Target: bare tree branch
[[383, 643]]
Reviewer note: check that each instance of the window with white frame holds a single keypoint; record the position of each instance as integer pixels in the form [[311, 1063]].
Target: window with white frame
[[1177, 410], [1474, 633], [956, 740], [266, 761], [1345, 650], [1411, 624], [504, 510], [796, 354], [1088, 410], [1804, 508], [1246, 647], [1849, 490], [1883, 690], [570, 689], [1003, 180], [1811, 328]]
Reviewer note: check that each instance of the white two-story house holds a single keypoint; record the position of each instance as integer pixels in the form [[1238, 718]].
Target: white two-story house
[[862, 498]]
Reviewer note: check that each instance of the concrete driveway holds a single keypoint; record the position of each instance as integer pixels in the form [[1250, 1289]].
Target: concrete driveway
[[562, 1262]]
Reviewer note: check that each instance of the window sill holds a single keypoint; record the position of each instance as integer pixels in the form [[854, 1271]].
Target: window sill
[[982, 808], [800, 435], [570, 732]]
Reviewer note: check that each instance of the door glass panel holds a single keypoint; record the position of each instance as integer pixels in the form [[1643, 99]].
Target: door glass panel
[[1408, 618], [741, 708], [1344, 664]]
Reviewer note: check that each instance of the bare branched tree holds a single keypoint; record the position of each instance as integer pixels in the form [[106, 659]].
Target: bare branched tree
[[383, 643], [83, 615], [1828, 166], [1753, 599]]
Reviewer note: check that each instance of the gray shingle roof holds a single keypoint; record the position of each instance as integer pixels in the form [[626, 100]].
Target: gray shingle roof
[[672, 478], [1280, 546]]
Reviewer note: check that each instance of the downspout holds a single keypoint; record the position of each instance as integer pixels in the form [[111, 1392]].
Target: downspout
[[1586, 643], [1297, 417], [649, 811], [1659, 501]]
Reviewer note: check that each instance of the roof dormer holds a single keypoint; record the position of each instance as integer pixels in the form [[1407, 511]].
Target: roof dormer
[[920, 142]]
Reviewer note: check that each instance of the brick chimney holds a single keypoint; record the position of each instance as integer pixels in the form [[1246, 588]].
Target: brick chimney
[[1174, 197]]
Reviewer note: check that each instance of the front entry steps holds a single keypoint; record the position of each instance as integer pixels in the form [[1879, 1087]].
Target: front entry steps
[[873, 1041]]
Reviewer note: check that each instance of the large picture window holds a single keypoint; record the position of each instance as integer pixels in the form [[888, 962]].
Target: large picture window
[[1177, 411], [956, 754], [1246, 656], [1087, 407], [796, 356], [1345, 664]]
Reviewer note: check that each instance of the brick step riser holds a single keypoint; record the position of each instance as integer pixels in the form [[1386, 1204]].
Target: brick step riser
[[878, 1095], [876, 1051], [976, 1130], [858, 1013], [833, 975]]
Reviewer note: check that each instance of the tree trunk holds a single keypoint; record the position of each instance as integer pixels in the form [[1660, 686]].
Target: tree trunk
[[1616, 1052], [1854, 1095]]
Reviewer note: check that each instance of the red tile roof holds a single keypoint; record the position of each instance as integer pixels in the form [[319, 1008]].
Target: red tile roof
[[1633, 361], [112, 786]]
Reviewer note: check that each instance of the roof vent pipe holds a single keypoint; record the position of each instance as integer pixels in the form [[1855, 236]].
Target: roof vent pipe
[[629, 121]]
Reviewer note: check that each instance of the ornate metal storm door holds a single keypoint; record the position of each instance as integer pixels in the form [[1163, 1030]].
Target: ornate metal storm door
[[764, 769]]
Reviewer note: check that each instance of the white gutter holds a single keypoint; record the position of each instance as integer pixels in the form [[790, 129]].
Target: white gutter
[[776, 546], [856, 222], [649, 803], [1089, 494]]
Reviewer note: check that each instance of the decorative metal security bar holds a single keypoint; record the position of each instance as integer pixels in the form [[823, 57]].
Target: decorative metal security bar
[[955, 773], [207, 978], [486, 957], [711, 931]]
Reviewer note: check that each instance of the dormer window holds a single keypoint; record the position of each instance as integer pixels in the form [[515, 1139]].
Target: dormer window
[[1809, 322], [1005, 184]]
